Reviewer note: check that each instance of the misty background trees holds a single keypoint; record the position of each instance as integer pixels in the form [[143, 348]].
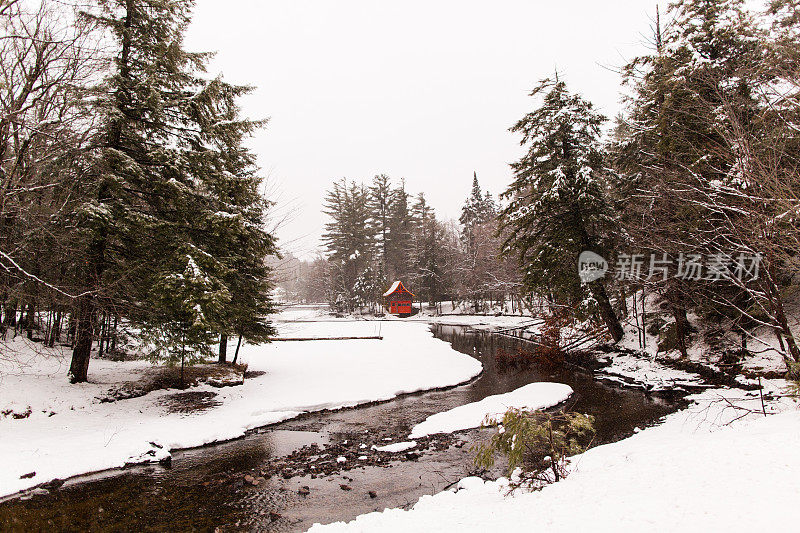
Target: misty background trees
[[379, 232]]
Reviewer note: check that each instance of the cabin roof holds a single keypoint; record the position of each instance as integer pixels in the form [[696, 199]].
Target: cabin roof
[[397, 285]]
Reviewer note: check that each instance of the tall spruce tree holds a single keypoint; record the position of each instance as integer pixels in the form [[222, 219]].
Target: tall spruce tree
[[400, 230], [170, 187], [230, 222], [425, 252], [381, 205], [557, 205], [348, 237], [477, 209], [478, 212]]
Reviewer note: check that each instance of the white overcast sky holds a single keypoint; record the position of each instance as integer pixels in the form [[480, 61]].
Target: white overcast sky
[[421, 90]]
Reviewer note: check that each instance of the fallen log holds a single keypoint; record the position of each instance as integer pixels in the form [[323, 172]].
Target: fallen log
[[521, 326], [374, 337]]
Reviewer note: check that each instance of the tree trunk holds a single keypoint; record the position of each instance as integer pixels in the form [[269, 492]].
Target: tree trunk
[[606, 311], [48, 326], [55, 332], [644, 319], [681, 328], [223, 348], [779, 314], [102, 336], [678, 308], [30, 320], [11, 315], [84, 332], [87, 310], [236, 354], [114, 335]]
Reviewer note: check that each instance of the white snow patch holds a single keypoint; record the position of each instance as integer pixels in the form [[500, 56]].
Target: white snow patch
[[396, 447], [647, 372], [532, 396]]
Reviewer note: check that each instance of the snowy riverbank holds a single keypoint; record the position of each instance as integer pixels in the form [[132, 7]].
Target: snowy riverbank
[[70, 432], [698, 471]]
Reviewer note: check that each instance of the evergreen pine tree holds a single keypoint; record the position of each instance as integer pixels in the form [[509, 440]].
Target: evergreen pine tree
[[399, 237], [182, 328], [425, 251], [381, 204], [557, 203], [348, 237], [169, 186]]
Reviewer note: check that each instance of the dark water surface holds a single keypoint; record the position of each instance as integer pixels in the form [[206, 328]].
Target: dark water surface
[[192, 496]]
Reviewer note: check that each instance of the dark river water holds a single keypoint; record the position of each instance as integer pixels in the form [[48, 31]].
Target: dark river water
[[188, 496]]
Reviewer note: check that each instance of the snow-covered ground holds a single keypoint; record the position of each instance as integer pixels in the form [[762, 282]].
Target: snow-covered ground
[[478, 321], [695, 472], [645, 371], [310, 312], [532, 396], [69, 432], [763, 345]]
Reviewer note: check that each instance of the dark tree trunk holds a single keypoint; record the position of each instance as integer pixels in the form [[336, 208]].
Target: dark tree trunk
[[30, 320], [678, 308], [223, 348], [102, 336], [84, 333], [114, 336], [236, 355], [183, 356], [109, 333], [55, 332], [606, 310], [596, 287], [88, 309], [11, 315], [681, 328], [779, 314]]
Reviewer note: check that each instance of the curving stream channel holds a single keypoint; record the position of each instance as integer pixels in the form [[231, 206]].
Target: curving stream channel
[[205, 488]]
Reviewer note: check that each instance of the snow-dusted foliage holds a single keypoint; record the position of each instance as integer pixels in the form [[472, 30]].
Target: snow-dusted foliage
[[558, 205]]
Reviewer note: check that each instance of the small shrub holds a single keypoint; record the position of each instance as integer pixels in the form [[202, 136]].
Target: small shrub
[[537, 442]]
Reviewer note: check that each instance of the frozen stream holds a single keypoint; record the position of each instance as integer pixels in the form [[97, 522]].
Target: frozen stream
[[204, 488]]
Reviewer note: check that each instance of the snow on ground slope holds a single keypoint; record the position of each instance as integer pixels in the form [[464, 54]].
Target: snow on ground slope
[[645, 371], [532, 396], [84, 435], [480, 321], [693, 473], [34, 378]]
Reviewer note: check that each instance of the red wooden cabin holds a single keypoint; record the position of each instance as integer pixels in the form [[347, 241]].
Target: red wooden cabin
[[399, 299]]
